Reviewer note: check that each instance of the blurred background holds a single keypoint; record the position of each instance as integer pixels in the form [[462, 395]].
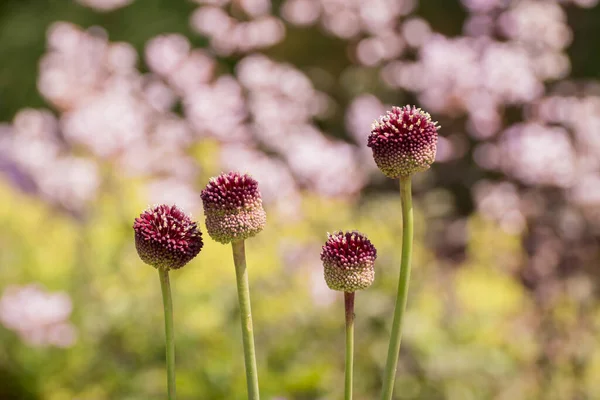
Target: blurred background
[[108, 106]]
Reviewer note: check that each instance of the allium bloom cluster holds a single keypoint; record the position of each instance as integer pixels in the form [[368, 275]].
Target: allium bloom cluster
[[348, 259], [166, 238], [403, 141], [233, 207]]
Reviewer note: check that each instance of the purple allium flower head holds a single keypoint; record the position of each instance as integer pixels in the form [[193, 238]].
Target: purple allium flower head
[[403, 141], [348, 259], [233, 207], [166, 238]]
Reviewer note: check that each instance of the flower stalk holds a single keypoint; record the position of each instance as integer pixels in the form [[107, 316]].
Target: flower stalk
[[166, 238], [404, 142], [165, 285], [234, 212], [348, 265], [348, 381], [402, 295], [243, 289]]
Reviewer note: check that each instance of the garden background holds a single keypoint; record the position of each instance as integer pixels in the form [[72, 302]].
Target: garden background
[[112, 105]]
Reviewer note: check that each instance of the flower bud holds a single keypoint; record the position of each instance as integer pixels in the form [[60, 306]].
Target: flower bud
[[233, 207], [166, 238], [403, 141], [348, 260]]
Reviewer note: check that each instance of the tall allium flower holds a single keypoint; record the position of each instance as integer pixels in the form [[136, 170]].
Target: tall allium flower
[[167, 239], [233, 207], [403, 141], [348, 261], [234, 213]]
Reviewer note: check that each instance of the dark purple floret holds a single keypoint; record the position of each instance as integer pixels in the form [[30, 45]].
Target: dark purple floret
[[403, 141], [233, 207], [230, 191], [166, 238], [348, 261]]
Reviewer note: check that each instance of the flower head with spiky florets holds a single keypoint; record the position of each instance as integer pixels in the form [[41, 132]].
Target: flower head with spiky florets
[[233, 207], [403, 141], [166, 238], [348, 260]]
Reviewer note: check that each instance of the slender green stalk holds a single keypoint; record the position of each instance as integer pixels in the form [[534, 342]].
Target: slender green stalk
[[241, 273], [407, 239], [165, 285], [349, 304]]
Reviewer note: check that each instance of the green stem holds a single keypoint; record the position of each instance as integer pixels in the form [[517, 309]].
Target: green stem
[[407, 239], [165, 285], [349, 303], [241, 273]]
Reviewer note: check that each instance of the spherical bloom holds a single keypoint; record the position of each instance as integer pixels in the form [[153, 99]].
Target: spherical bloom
[[233, 207], [166, 238], [403, 141], [348, 260]]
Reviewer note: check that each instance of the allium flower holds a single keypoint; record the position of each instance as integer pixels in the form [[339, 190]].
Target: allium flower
[[403, 141], [166, 238], [233, 207], [348, 259]]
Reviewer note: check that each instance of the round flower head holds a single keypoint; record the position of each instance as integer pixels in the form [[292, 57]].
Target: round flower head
[[166, 238], [348, 259], [233, 207], [403, 141]]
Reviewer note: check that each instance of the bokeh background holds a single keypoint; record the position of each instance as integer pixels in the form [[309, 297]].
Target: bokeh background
[[109, 106]]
